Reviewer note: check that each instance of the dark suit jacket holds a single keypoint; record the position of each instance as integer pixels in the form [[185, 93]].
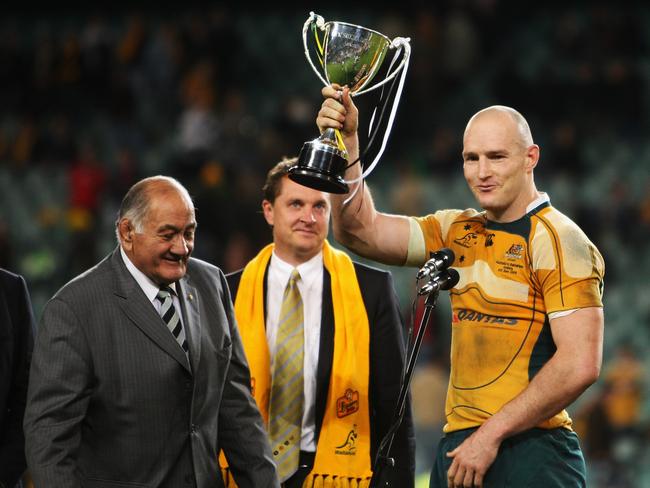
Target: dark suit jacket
[[112, 399], [386, 364], [16, 342]]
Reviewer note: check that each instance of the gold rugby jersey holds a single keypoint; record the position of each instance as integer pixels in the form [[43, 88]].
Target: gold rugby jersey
[[511, 277]]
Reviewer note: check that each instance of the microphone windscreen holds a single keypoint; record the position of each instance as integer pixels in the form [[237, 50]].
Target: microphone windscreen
[[453, 280]]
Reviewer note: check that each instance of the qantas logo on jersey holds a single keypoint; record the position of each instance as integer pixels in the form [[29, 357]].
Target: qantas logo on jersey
[[472, 316]]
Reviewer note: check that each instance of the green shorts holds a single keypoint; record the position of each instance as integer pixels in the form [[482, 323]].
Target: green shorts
[[535, 458]]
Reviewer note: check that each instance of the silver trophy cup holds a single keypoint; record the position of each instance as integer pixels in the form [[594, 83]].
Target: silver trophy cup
[[349, 55]]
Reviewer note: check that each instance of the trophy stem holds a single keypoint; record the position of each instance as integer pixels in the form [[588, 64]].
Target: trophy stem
[[321, 164]]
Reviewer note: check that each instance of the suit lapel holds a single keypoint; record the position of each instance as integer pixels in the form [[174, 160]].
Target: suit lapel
[[325, 352], [141, 311], [189, 298]]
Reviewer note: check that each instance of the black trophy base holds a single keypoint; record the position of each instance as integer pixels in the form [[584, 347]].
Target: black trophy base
[[320, 166]]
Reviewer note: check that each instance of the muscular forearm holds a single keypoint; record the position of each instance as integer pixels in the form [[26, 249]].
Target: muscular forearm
[[554, 387], [348, 218], [356, 223], [353, 222], [574, 366], [361, 228]]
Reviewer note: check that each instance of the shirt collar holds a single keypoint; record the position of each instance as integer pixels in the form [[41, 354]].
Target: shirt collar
[[542, 198], [309, 270], [148, 286]]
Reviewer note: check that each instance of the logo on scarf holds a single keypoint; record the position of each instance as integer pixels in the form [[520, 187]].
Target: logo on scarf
[[347, 404], [348, 448]]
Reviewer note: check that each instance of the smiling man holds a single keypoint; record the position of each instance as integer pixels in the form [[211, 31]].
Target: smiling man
[[324, 340], [139, 376], [527, 321]]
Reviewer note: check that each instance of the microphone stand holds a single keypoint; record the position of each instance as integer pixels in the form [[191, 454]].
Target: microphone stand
[[383, 460]]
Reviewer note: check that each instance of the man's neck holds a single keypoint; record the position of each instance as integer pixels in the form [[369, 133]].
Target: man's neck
[[292, 258]]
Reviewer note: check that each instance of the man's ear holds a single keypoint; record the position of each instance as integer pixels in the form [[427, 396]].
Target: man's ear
[[532, 157], [267, 208], [126, 232]]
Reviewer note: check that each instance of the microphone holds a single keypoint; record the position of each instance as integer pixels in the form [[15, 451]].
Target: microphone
[[446, 280], [440, 260]]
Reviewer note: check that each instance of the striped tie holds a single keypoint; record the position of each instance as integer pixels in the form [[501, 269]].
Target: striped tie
[[285, 411], [170, 316]]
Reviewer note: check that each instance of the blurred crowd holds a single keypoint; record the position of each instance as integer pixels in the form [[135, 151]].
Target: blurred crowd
[[93, 100]]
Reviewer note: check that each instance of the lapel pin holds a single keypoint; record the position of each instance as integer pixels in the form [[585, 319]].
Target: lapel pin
[[190, 297]]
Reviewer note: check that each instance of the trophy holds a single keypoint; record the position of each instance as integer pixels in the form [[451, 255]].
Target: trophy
[[350, 56]]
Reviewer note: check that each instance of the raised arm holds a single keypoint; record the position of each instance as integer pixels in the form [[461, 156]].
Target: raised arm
[[357, 224]]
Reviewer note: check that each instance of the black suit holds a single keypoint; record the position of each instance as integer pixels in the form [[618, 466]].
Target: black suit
[[16, 342], [113, 401], [386, 364]]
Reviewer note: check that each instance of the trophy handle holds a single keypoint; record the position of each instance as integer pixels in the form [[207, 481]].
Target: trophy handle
[[403, 67], [398, 42], [320, 23]]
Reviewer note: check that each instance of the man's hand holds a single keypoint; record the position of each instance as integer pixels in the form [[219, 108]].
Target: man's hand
[[471, 460], [338, 111]]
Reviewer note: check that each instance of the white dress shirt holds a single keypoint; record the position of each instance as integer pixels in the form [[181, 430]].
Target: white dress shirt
[[311, 291], [151, 289]]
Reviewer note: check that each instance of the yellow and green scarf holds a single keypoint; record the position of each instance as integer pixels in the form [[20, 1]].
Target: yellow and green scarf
[[343, 450]]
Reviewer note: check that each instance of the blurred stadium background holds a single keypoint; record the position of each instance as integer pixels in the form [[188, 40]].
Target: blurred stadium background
[[92, 100]]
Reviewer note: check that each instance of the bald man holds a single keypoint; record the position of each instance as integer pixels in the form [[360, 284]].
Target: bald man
[[139, 376], [527, 318]]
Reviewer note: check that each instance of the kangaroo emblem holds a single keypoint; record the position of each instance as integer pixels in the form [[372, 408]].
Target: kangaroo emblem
[[468, 240], [350, 441]]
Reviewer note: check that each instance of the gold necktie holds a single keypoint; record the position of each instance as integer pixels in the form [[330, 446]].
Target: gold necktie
[[285, 410]]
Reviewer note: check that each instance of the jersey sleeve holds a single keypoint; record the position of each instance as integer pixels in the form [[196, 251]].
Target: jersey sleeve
[[431, 233], [569, 268]]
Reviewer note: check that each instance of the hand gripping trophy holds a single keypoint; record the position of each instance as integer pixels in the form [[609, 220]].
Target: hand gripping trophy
[[349, 55]]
